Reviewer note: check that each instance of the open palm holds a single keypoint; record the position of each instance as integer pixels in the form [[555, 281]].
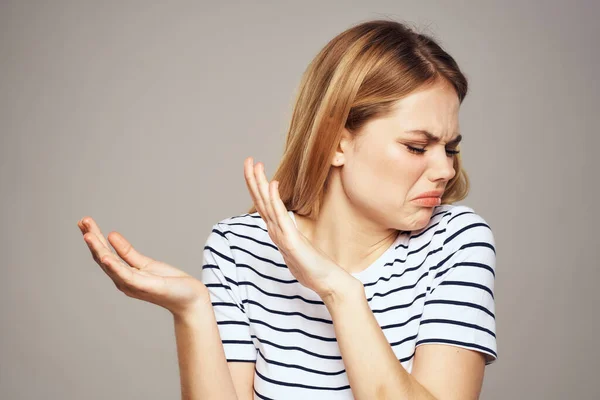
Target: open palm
[[140, 276]]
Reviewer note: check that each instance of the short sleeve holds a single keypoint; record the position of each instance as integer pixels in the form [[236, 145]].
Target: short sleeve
[[459, 308], [219, 275]]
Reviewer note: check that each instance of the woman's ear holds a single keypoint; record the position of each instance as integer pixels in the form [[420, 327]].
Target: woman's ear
[[342, 149]]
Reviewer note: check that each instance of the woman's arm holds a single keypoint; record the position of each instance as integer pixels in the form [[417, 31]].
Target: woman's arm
[[202, 364], [373, 370]]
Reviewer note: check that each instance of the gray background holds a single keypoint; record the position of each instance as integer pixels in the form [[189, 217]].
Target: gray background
[[140, 114]]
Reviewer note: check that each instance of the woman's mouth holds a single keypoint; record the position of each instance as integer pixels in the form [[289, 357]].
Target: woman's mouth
[[428, 201]]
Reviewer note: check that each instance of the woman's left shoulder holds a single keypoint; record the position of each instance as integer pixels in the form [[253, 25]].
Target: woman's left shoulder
[[458, 216], [462, 224]]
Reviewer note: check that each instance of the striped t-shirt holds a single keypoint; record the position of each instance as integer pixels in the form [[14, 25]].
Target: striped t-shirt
[[434, 285]]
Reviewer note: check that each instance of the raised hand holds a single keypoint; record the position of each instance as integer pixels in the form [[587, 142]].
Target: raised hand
[[309, 265], [140, 276]]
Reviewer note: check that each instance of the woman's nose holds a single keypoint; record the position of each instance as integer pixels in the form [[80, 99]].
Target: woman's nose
[[442, 167]]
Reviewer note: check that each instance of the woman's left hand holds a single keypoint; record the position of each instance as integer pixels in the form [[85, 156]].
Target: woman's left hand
[[309, 265]]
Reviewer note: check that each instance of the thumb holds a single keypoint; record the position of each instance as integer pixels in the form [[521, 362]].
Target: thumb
[[126, 251]]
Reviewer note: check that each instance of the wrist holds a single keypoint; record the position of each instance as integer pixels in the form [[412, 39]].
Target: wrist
[[195, 310], [344, 292]]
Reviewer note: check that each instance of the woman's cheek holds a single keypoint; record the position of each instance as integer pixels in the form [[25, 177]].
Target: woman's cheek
[[404, 163]]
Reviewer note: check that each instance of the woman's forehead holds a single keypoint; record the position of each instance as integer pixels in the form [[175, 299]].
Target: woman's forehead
[[411, 123]]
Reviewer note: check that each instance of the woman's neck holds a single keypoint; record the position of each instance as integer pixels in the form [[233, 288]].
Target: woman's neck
[[350, 239]]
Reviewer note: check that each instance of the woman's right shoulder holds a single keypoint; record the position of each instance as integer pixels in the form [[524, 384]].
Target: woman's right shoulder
[[250, 220], [242, 236], [239, 227]]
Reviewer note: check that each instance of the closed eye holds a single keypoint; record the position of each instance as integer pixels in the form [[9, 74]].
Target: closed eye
[[416, 150]]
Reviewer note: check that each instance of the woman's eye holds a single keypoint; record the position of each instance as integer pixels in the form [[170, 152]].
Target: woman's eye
[[417, 150]]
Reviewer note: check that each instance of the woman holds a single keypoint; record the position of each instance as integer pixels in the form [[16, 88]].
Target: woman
[[353, 276]]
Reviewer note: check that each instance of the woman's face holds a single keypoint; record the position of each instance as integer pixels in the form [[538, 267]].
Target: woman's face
[[381, 175]]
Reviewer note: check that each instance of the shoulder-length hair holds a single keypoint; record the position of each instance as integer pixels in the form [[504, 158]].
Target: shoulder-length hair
[[356, 77]]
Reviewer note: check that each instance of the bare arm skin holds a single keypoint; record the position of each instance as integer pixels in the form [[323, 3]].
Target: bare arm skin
[[202, 365], [440, 372], [204, 371]]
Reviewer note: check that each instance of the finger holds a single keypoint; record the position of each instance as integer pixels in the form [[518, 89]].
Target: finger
[[252, 187], [283, 218], [248, 165], [126, 251], [96, 246], [88, 224], [97, 249], [129, 280], [263, 189]]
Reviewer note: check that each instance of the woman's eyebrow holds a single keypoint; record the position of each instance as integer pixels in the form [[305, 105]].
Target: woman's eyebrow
[[434, 139]]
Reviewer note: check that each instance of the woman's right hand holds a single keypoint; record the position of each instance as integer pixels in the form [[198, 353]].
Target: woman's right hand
[[141, 277]]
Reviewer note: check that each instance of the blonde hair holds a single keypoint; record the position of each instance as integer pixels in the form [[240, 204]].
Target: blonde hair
[[356, 77]]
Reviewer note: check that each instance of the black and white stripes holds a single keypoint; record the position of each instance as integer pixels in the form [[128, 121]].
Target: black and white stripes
[[435, 285]]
